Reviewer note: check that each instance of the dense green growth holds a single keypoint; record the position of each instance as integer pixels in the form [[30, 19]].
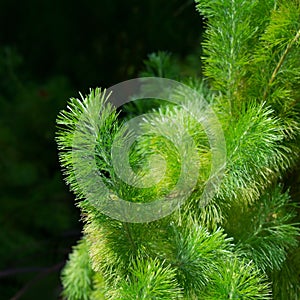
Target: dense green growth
[[243, 244]]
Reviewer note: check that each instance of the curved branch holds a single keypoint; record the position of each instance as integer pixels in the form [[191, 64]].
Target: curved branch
[[280, 63]]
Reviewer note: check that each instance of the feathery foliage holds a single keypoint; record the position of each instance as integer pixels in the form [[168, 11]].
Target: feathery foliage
[[243, 243], [77, 274], [237, 279]]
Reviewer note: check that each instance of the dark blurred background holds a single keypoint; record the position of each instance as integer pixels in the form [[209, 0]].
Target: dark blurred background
[[50, 50]]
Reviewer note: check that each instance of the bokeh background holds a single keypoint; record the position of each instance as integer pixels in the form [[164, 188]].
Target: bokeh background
[[49, 51]]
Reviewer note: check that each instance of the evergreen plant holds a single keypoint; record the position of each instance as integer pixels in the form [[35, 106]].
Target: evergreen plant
[[243, 242]]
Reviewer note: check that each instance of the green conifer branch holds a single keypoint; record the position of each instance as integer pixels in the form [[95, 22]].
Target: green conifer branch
[[150, 279], [280, 63], [224, 249], [77, 274], [237, 279], [265, 232]]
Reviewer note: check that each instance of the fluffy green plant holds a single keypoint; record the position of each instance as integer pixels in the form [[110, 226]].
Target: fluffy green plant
[[243, 243]]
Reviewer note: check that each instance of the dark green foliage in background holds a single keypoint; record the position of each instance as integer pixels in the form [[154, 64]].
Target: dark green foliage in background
[[98, 41], [37, 223]]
